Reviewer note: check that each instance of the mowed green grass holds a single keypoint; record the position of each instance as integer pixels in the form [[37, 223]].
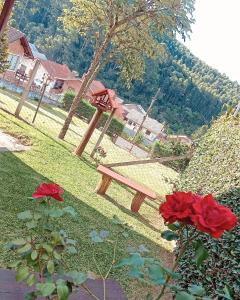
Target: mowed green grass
[[50, 119], [51, 160]]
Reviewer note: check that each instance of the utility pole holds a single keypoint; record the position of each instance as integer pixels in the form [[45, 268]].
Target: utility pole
[[27, 89], [5, 15], [154, 99], [46, 81]]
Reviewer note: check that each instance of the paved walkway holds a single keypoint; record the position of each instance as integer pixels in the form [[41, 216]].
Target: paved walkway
[[8, 143], [10, 290]]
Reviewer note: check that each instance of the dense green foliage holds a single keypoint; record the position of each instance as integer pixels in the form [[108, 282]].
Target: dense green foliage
[[215, 169], [192, 92], [169, 148], [3, 53], [86, 111]]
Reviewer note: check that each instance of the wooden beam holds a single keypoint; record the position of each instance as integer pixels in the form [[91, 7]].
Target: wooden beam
[[148, 161]]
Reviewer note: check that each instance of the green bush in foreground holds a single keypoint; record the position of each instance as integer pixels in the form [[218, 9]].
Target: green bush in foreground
[[215, 168]]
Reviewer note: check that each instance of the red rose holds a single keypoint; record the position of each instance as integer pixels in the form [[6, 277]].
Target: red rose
[[211, 217], [48, 190], [178, 207]]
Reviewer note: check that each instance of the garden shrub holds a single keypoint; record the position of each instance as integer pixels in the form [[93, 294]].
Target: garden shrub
[[86, 111], [169, 148], [215, 169]]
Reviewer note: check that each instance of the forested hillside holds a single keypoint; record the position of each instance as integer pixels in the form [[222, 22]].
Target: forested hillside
[[192, 92]]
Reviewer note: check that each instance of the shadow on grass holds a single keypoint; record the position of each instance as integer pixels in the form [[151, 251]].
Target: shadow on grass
[[138, 216], [18, 181]]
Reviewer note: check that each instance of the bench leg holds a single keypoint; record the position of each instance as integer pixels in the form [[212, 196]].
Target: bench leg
[[137, 202], [103, 185]]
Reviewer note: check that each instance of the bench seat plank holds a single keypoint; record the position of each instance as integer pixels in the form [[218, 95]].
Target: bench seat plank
[[128, 182]]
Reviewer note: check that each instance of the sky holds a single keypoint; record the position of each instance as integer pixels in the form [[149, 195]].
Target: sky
[[216, 35]]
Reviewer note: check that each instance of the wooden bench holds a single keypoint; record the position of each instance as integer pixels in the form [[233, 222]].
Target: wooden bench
[[141, 192]]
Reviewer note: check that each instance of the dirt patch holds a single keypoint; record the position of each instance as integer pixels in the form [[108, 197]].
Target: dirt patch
[[14, 142], [21, 138]]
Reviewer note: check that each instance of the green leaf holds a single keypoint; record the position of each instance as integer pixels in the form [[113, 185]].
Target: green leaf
[[31, 280], [77, 277], [47, 247], [201, 254], [95, 237], [174, 226], [156, 274], [56, 255], [62, 291], [70, 210], [25, 215], [71, 242], [22, 274], [34, 255], [184, 296], [197, 290], [104, 234], [50, 267], [31, 225], [134, 259], [19, 242], [14, 264], [55, 212], [46, 289], [71, 250], [169, 235], [24, 249], [136, 273]]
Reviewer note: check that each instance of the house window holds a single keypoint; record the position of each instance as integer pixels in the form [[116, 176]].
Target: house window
[[148, 132], [130, 122], [58, 84], [13, 61]]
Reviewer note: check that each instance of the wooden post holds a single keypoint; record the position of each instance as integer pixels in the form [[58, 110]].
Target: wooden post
[[137, 202], [106, 126], [39, 102], [5, 15], [103, 185], [27, 89], [79, 150]]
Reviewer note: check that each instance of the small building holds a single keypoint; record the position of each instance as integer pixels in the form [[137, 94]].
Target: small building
[[128, 107], [19, 51], [181, 139], [60, 74], [152, 130]]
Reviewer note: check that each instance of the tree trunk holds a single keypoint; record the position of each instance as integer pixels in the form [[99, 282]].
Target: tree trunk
[[87, 80]]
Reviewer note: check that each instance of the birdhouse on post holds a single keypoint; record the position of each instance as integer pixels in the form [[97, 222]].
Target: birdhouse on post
[[104, 101]]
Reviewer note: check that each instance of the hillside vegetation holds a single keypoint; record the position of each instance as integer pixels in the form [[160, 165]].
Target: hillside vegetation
[[192, 92], [215, 168]]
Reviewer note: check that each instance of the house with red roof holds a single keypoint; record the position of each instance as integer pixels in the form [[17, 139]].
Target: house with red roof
[[19, 51]]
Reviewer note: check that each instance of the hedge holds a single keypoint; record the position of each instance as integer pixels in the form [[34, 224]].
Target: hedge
[[86, 111], [169, 148], [215, 168]]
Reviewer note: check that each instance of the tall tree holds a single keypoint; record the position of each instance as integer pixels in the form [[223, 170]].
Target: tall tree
[[125, 31], [3, 48], [3, 53]]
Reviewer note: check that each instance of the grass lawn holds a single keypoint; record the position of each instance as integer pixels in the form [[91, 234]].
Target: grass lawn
[[50, 120], [51, 160]]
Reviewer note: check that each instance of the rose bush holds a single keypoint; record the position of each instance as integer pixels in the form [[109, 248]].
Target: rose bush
[[49, 190], [203, 212], [182, 212], [211, 217]]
